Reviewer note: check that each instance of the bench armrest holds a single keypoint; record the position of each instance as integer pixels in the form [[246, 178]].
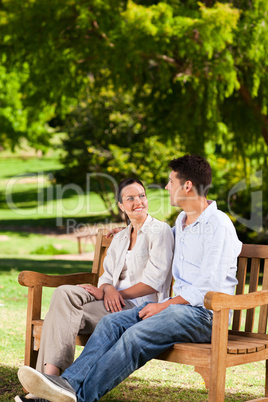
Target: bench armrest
[[217, 301], [31, 279]]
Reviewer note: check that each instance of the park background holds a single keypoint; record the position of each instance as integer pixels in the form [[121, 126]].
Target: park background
[[93, 92]]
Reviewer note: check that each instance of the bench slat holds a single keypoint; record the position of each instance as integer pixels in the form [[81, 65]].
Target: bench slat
[[241, 277], [253, 287], [240, 344], [263, 316]]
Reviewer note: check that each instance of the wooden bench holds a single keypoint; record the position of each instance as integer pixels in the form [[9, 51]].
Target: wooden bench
[[85, 235], [239, 345]]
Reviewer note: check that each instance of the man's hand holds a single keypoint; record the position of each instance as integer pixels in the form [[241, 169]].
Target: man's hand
[[96, 292], [113, 301], [114, 231], [150, 310]]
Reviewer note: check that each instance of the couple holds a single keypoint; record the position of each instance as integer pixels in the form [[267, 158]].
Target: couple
[[133, 287]]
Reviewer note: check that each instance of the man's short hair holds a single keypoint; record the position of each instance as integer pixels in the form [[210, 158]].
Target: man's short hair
[[194, 168]]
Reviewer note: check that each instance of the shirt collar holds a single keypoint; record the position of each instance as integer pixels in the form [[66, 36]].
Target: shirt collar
[[127, 231], [206, 214], [204, 217]]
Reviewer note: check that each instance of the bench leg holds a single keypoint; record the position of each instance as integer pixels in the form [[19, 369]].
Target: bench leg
[[218, 356], [33, 313], [216, 391], [266, 378], [204, 372]]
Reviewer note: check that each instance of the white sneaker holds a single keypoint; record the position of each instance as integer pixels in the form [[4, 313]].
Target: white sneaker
[[50, 387]]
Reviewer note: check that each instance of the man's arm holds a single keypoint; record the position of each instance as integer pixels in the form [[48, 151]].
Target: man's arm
[[155, 308], [217, 267]]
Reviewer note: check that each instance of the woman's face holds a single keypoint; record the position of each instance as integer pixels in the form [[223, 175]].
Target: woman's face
[[134, 202]]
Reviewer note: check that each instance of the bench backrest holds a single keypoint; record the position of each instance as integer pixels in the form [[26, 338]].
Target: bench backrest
[[252, 270], [102, 244]]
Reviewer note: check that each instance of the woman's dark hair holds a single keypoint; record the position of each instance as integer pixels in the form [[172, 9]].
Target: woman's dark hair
[[124, 183], [194, 168]]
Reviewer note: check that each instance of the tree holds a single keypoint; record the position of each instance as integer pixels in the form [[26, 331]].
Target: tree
[[191, 71], [110, 137], [186, 62]]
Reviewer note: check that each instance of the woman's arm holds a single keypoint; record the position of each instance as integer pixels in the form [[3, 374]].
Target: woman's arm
[[157, 272], [138, 290], [113, 300]]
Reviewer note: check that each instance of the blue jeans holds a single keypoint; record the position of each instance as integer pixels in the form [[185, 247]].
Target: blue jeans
[[122, 342]]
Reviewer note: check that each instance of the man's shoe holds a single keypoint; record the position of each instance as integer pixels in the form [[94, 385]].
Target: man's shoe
[[19, 398], [50, 387]]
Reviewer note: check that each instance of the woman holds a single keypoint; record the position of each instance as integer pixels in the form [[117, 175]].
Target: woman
[[137, 268]]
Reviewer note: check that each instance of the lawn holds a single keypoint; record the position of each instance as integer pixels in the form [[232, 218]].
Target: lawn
[[29, 197], [156, 381], [25, 246]]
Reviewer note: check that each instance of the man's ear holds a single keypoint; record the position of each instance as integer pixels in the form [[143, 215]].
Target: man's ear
[[188, 185]]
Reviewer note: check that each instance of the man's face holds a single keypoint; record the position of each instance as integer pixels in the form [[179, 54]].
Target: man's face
[[176, 190]]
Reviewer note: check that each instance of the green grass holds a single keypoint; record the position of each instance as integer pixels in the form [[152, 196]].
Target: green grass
[[27, 197], [29, 243], [156, 381]]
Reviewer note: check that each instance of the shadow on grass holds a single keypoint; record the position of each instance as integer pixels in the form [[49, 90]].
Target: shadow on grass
[[33, 173], [44, 225], [56, 267], [132, 389], [9, 383], [143, 390]]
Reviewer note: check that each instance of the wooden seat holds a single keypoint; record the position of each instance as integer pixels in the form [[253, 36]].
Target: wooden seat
[[245, 342]]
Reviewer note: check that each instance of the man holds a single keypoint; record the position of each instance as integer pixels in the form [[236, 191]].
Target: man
[[206, 250]]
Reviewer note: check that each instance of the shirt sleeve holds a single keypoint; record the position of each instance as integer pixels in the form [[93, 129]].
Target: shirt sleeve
[[219, 260], [158, 267]]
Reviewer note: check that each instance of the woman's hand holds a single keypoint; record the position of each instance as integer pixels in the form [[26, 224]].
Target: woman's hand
[[96, 292], [151, 309], [113, 301]]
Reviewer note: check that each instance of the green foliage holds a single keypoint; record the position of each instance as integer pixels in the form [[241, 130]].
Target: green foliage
[[108, 142], [111, 137], [49, 249], [186, 65], [12, 117], [17, 118]]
